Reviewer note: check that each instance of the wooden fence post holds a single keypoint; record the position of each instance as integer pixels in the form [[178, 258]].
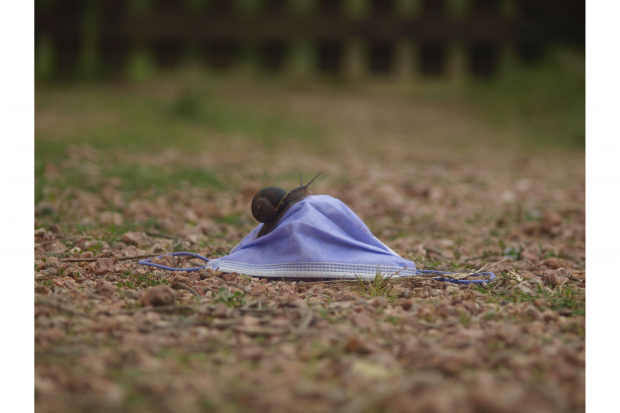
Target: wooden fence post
[[220, 52], [113, 45], [167, 49], [330, 51], [483, 52], [432, 46], [273, 51], [66, 20], [170, 27], [529, 33], [381, 51]]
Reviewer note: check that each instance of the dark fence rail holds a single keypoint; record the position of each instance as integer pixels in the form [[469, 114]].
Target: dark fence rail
[[218, 29]]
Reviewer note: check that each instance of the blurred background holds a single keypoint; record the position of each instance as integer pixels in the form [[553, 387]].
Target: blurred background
[[455, 129], [78, 39], [136, 98]]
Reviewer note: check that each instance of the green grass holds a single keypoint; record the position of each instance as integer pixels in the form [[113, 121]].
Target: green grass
[[120, 121], [111, 118], [236, 299], [378, 287], [545, 103], [139, 177], [190, 112], [567, 298], [131, 280]]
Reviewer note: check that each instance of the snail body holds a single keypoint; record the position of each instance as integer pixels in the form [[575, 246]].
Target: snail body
[[271, 203]]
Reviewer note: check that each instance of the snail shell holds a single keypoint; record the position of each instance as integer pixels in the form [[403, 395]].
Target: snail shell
[[270, 204], [266, 202]]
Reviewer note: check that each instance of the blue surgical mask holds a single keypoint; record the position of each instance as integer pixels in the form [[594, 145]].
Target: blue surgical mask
[[318, 237]]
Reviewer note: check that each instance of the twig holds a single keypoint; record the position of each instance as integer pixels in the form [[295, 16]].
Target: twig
[[219, 323], [574, 258], [259, 330], [188, 288], [66, 310], [248, 308], [434, 251], [256, 311], [135, 257], [160, 235], [307, 317], [40, 244], [63, 351], [251, 304], [191, 323], [438, 325], [454, 276], [161, 309], [482, 256]]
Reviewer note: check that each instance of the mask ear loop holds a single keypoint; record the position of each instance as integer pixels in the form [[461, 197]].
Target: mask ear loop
[[492, 275], [148, 262]]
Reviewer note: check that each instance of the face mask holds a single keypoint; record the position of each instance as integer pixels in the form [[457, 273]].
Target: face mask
[[317, 237]]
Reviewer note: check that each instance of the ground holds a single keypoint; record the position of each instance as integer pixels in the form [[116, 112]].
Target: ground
[[142, 169]]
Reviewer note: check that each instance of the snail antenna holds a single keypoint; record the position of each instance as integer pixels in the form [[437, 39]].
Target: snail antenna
[[301, 181], [313, 179]]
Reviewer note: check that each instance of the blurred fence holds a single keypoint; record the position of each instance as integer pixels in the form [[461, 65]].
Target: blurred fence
[[217, 30]]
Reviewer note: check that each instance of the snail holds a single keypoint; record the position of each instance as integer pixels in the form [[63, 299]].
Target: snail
[[270, 204]]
